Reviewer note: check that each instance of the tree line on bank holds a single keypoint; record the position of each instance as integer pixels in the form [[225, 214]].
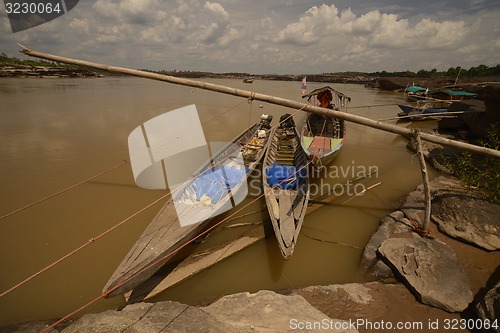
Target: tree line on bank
[[481, 70]]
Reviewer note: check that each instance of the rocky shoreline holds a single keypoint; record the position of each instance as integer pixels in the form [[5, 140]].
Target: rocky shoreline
[[27, 71]]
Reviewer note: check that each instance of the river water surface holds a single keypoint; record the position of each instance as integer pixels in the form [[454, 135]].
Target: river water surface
[[55, 133]]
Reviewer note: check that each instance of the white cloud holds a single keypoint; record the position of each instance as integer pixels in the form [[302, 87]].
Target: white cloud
[[267, 36], [80, 25], [216, 8]]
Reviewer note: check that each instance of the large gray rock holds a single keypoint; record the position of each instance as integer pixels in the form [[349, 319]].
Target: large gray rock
[[431, 270], [373, 302], [267, 311], [488, 309], [402, 223], [150, 318], [468, 218], [392, 225]]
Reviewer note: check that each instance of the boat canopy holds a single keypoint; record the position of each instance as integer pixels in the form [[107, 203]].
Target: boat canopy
[[414, 89], [327, 88], [458, 93]]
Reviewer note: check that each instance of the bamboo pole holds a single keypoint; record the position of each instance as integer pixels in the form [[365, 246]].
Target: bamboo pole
[[265, 98], [425, 179]]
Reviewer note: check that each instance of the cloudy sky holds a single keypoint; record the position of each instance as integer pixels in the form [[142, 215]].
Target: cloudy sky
[[271, 36]]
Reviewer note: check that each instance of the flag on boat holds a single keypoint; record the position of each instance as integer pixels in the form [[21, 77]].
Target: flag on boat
[[303, 85]]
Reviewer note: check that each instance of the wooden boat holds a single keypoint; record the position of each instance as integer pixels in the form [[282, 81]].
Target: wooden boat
[[451, 94], [323, 137], [248, 80], [415, 93], [165, 235], [423, 109], [285, 184]]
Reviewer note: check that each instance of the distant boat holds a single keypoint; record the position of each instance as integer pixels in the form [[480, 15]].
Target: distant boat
[[286, 184], [415, 93], [323, 137], [451, 95], [215, 184], [248, 80], [424, 109]]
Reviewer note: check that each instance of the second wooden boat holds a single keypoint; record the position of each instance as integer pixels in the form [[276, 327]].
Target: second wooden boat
[[211, 188], [323, 137], [424, 109], [286, 184]]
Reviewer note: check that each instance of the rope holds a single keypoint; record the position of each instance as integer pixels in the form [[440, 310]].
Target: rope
[[61, 191], [333, 242], [90, 241], [219, 115], [250, 101], [200, 235], [100, 235], [93, 177], [373, 106]]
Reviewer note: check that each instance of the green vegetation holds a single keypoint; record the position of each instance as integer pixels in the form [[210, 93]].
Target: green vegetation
[[478, 71], [479, 172], [5, 59], [481, 70]]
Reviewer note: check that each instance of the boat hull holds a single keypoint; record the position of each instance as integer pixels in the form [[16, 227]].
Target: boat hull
[[323, 137], [165, 235], [286, 197], [412, 110], [324, 158], [324, 147]]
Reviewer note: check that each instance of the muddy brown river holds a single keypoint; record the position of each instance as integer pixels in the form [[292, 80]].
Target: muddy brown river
[[55, 133]]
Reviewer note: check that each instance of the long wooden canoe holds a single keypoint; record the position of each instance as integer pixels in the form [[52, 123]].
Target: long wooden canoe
[[286, 184], [164, 235]]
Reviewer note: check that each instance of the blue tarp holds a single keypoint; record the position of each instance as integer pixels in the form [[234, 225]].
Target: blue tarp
[[216, 182], [277, 175]]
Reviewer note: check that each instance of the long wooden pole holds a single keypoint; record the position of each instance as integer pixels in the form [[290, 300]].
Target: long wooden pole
[[265, 98], [425, 180]]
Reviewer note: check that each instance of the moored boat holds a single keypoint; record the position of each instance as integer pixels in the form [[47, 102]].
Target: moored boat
[[322, 137], [286, 184], [415, 93], [424, 109], [451, 94], [210, 190]]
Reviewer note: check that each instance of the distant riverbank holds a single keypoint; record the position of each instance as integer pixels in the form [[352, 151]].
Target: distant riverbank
[[21, 70], [42, 69], [39, 71]]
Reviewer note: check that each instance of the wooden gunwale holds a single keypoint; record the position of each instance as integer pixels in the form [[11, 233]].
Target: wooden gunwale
[[286, 207]]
